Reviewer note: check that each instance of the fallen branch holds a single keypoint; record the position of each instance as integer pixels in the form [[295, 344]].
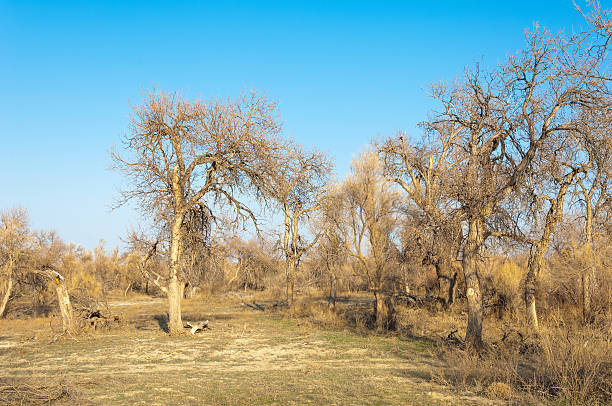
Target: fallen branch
[[201, 326]]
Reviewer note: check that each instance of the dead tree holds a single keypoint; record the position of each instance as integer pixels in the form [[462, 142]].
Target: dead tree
[[63, 298]]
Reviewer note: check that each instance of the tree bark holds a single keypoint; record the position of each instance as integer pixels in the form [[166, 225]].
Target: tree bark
[[331, 300], [534, 266], [175, 286], [471, 265], [290, 275], [64, 304], [530, 302], [588, 275], [7, 295], [175, 294], [385, 311]]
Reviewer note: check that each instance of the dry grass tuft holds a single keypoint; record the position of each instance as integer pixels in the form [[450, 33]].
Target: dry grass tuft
[[500, 390], [24, 392]]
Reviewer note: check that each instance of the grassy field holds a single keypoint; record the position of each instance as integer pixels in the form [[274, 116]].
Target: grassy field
[[247, 357]]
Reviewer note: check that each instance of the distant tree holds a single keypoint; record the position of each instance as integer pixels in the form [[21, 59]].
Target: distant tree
[[298, 188], [15, 249], [180, 154], [369, 204], [331, 251]]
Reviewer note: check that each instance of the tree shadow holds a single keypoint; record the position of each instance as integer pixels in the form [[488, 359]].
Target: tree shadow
[[162, 321]]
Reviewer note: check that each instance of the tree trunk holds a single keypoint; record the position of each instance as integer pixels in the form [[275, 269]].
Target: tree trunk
[[533, 272], [447, 279], [7, 295], [175, 294], [530, 302], [385, 311], [536, 259], [64, 304], [471, 265], [331, 300], [129, 286], [175, 286], [588, 275], [586, 296], [290, 275], [452, 289]]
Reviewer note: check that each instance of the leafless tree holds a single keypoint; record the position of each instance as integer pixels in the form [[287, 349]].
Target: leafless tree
[[15, 249], [298, 187], [180, 154], [594, 191], [422, 171], [555, 171], [368, 226], [331, 251], [498, 122]]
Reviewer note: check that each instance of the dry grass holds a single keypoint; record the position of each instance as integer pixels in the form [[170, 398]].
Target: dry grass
[[572, 368], [248, 357], [25, 391]]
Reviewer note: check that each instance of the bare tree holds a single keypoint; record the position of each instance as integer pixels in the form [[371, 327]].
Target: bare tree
[[298, 187], [370, 207], [182, 153], [15, 245], [561, 179], [63, 298], [595, 191], [500, 121], [422, 171], [331, 249]]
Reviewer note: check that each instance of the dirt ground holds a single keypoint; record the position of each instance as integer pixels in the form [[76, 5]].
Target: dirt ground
[[247, 357]]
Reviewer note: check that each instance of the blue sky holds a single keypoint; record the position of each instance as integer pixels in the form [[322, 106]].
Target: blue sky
[[342, 72]]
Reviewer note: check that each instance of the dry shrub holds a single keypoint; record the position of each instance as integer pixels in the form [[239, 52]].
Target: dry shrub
[[317, 313], [423, 322], [502, 286], [25, 392], [571, 367], [469, 370], [576, 365]]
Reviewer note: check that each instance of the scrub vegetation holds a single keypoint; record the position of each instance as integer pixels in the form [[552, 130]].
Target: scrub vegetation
[[469, 264]]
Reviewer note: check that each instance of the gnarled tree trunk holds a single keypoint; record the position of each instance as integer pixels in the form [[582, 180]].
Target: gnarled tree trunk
[[471, 266]]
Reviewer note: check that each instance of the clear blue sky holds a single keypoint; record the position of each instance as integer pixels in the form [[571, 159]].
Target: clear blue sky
[[342, 72]]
